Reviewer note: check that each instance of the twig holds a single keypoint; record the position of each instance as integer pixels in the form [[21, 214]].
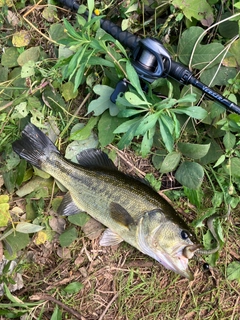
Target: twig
[[47, 297], [108, 306]]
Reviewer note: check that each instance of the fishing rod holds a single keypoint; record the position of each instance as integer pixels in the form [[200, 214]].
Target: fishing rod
[[151, 60]]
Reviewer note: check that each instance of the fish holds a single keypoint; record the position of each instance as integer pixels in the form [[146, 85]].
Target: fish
[[130, 209]]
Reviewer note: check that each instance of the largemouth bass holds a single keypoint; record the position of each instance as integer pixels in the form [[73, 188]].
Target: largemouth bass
[[131, 210]]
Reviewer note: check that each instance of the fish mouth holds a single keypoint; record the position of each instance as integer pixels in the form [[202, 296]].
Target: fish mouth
[[178, 260]]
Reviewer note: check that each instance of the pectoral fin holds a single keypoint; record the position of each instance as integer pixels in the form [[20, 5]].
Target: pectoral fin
[[120, 215], [67, 206], [110, 238]]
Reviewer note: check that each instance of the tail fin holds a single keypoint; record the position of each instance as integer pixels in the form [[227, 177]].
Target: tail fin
[[34, 146]]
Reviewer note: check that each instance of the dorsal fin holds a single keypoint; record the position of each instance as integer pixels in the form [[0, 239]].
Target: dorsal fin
[[95, 159], [121, 215]]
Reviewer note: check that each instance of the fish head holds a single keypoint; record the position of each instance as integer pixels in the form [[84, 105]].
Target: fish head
[[167, 241]]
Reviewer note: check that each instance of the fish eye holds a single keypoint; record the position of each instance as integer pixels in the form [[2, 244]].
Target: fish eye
[[184, 234]]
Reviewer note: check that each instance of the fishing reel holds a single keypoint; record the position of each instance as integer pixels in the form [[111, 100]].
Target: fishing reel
[[152, 61]]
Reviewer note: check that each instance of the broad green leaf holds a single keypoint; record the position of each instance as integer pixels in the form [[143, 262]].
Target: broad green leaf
[[199, 10], [67, 90], [85, 132], [203, 53], [26, 227], [170, 162], [31, 54], [188, 98], [15, 242], [73, 287], [103, 103], [190, 174], [56, 31], [218, 76], [20, 111], [229, 140], [76, 147], [193, 112], [214, 153], [233, 269], [10, 57], [79, 219], [67, 237], [193, 151], [106, 127], [28, 69]]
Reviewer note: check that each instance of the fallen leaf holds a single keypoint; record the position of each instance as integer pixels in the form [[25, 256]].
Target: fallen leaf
[[21, 39]]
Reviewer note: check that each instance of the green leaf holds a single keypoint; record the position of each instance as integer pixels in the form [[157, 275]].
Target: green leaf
[[134, 99], [218, 76], [199, 10], [84, 133], [134, 79], [166, 135], [76, 147], [229, 140], [57, 314], [9, 57], [15, 242], [193, 151], [128, 135], [67, 90], [73, 287], [4, 211], [28, 69], [98, 106], [106, 127], [203, 53], [190, 174], [194, 196], [220, 160], [193, 112], [147, 142], [126, 125], [79, 219], [233, 271], [147, 123], [170, 162], [208, 244], [235, 166], [26, 227], [31, 54], [67, 237]]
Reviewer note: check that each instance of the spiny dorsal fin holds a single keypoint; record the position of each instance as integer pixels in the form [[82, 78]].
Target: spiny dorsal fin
[[120, 215], [110, 238], [95, 159], [67, 206]]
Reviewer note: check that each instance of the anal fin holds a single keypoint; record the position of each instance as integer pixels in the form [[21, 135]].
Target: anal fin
[[67, 206], [110, 238]]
